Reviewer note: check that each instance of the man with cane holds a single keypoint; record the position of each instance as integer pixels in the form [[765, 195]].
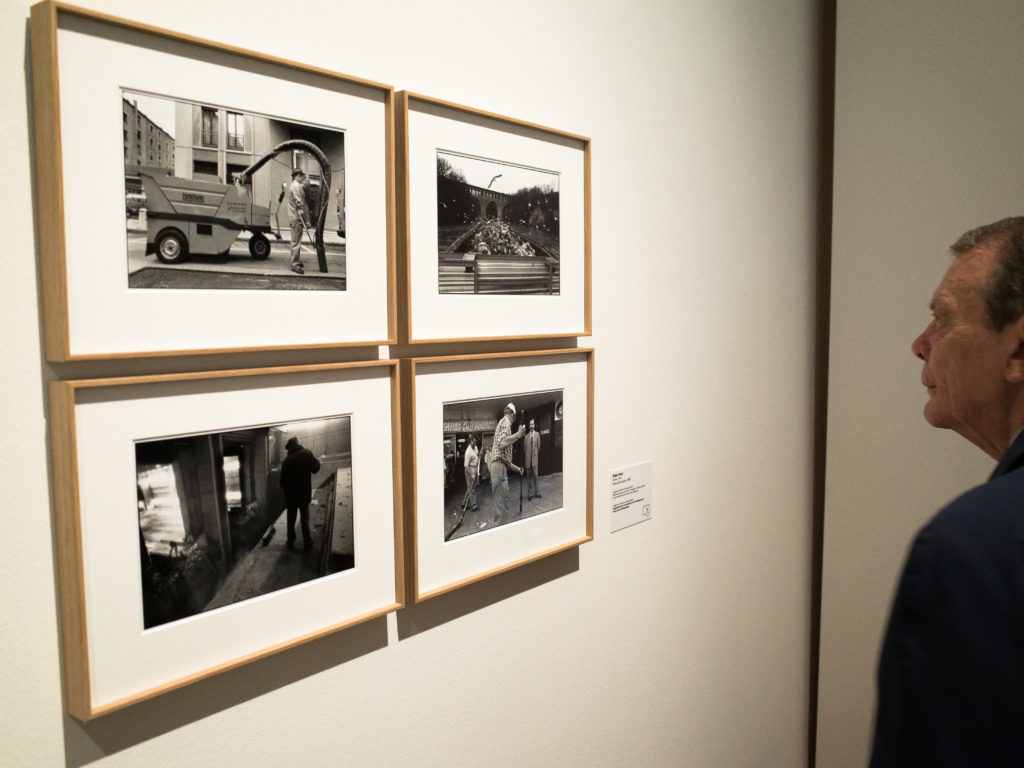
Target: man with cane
[[501, 462], [471, 464]]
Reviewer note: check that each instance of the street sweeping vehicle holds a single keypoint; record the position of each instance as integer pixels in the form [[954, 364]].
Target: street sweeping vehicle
[[186, 217]]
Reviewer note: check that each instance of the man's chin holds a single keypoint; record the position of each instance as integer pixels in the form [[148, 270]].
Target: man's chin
[[935, 417]]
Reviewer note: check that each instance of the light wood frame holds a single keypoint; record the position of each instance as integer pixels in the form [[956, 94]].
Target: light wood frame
[[50, 164], [582, 488], [77, 552], [408, 331]]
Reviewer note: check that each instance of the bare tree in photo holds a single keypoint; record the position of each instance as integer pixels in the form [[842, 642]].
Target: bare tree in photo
[[497, 227]]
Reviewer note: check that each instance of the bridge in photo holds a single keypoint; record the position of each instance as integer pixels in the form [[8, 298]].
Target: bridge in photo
[[490, 201]]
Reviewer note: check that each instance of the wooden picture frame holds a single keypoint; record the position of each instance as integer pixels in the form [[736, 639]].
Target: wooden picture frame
[[454, 536], [156, 580], [117, 290], [494, 225]]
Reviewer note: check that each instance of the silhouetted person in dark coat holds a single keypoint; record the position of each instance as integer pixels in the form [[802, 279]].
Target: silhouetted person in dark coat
[[297, 472]]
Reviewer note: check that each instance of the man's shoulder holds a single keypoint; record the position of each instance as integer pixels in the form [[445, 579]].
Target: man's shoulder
[[991, 512], [303, 454], [1002, 492]]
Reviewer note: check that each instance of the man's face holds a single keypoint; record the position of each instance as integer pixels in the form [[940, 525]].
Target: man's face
[[531, 425], [964, 359]]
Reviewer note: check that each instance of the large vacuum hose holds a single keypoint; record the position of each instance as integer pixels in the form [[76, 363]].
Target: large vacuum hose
[[325, 170]]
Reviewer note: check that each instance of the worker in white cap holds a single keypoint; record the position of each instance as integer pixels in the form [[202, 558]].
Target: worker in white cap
[[297, 212], [501, 462]]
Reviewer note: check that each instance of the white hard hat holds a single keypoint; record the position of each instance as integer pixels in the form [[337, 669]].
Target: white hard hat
[[512, 408]]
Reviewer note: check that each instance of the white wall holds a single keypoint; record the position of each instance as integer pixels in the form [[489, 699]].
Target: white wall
[[928, 144], [682, 641]]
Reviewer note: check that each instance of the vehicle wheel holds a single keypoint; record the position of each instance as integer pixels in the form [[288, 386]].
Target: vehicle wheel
[[259, 246], [171, 247]]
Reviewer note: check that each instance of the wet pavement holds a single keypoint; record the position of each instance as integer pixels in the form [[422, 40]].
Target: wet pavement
[[273, 566], [458, 524]]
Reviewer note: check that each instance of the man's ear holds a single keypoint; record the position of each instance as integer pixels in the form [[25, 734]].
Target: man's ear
[[1015, 362]]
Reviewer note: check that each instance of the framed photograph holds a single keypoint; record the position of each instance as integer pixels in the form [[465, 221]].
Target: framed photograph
[[514, 433], [209, 519], [494, 232], [240, 202]]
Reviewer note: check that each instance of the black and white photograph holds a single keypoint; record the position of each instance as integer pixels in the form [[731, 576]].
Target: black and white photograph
[[221, 198], [228, 516], [497, 227], [502, 460]]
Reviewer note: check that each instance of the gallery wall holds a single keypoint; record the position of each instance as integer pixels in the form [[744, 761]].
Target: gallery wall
[[681, 641], [927, 146]]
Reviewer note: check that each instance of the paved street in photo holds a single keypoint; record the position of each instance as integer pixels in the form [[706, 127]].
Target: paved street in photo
[[238, 270], [458, 524]]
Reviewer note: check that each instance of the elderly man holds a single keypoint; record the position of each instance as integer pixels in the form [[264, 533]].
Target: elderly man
[[297, 215], [951, 674], [471, 465], [501, 461], [531, 458]]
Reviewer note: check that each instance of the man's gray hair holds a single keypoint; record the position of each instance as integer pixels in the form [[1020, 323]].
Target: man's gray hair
[[1004, 293]]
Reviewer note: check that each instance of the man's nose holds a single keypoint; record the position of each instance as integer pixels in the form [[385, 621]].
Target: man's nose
[[921, 346]]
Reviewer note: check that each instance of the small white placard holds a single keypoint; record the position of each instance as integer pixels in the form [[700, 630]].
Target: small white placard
[[632, 490]]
